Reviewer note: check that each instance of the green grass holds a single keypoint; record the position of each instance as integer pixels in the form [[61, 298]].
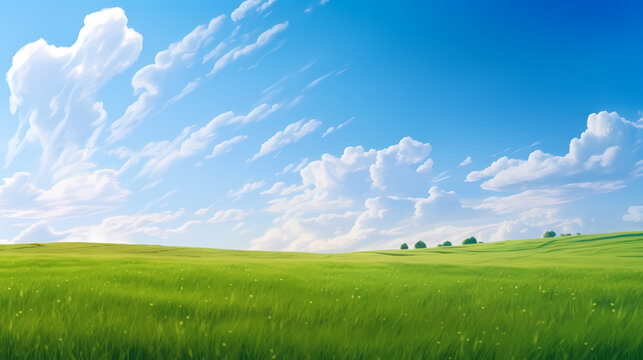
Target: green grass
[[560, 298]]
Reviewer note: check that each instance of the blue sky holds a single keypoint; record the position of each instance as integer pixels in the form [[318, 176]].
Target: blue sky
[[318, 126]]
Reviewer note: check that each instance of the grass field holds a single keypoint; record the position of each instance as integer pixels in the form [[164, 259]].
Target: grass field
[[560, 298]]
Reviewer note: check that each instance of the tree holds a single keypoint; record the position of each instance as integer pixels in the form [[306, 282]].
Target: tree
[[471, 240], [404, 246], [549, 234], [447, 243], [420, 245]]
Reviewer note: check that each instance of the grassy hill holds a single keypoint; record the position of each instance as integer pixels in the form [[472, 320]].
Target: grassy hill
[[567, 297]]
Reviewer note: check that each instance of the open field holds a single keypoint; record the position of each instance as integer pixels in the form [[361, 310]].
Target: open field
[[560, 298]]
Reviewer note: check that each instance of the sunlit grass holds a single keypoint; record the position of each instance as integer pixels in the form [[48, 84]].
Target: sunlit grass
[[571, 297]]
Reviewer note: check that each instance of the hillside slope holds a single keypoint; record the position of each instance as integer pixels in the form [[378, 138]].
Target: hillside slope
[[565, 297]]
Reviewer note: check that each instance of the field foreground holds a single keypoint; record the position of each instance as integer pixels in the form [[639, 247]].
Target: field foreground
[[560, 298]]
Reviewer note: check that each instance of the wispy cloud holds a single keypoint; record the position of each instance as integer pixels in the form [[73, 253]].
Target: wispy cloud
[[238, 52], [291, 134], [225, 146], [332, 129], [249, 187], [466, 162], [148, 82]]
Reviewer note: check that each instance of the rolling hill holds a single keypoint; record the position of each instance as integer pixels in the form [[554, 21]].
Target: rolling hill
[[565, 297]]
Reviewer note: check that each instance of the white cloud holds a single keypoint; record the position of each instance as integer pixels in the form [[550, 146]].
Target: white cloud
[[293, 168], [246, 189], [148, 82], [78, 195], [528, 199], [240, 12], [201, 211], [238, 52], [606, 150], [120, 229], [266, 5], [407, 152], [332, 129], [427, 166], [466, 162], [187, 226], [318, 80], [225, 146], [162, 154], [375, 219], [228, 215], [62, 114], [115, 229], [634, 213], [368, 200], [38, 232], [280, 188], [309, 218], [189, 87], [291, 134]]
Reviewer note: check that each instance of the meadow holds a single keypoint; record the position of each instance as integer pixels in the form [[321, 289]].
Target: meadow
[[569, 297]]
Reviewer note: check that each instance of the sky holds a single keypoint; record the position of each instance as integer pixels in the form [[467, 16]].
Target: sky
[[323, 126]]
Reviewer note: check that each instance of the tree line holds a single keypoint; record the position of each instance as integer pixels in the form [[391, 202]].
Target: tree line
[[422, 245], [472, 240]]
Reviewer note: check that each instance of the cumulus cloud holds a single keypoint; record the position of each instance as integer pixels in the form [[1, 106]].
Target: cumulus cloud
[[238, 52], [407, 152], [149, 81], [62, 114], [375, 219], [368, 199], [344, 202], [225, 146], [634, 213], [291, 134], [607, 149], [357, 170]]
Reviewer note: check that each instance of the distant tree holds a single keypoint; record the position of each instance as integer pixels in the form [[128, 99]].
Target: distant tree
[[471, 240], [447, 243], [439, 245], [404, 246], [420, 245], [549, 234], [577, 233], [565, 234]]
